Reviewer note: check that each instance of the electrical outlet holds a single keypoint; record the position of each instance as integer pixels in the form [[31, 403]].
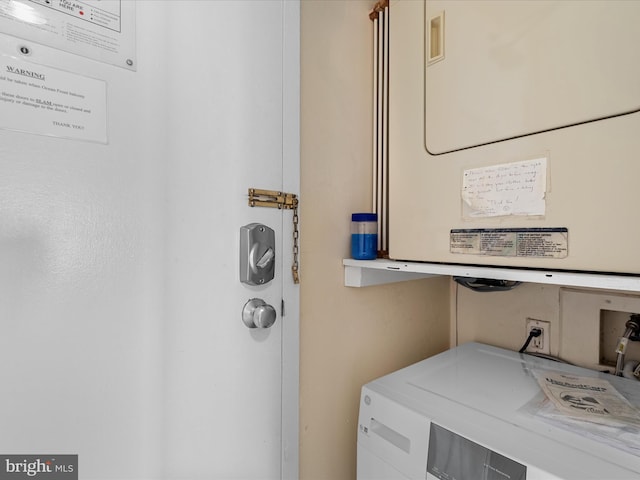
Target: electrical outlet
[[539, 344]]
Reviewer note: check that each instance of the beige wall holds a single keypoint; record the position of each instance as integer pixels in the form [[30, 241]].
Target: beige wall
[[348, 335], [352, 335], [585, 323]]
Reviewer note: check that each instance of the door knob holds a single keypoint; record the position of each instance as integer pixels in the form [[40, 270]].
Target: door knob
[[256, 313]]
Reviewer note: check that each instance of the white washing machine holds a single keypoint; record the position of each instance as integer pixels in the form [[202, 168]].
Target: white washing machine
[[470, 414]]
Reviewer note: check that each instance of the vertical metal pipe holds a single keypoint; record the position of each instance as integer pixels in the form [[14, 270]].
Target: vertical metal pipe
[[385, 137], [379, 129], [374, 149], [380, 163]]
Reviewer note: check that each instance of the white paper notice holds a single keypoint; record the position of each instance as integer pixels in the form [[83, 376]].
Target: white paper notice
[[48, 101], [509, 189]]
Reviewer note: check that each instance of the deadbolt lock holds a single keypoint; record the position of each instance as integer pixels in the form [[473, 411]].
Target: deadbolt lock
[[257, 254]]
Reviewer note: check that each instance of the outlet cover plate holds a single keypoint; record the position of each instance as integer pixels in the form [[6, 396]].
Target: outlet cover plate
[[539, 344]]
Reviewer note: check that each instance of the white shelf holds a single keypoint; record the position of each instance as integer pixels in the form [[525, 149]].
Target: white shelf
[[365, 273]]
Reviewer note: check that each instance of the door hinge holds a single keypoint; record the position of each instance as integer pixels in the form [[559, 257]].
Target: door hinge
[[281, 200]]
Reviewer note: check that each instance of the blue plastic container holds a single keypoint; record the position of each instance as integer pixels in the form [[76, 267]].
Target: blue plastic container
[[364, 236]]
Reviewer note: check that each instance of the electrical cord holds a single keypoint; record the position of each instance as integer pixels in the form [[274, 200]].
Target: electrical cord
[[548, 357], [533, 333]]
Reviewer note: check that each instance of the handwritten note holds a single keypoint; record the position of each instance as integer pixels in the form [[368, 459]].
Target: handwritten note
[[508, 189]]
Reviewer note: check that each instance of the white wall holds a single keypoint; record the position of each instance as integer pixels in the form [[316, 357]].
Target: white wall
[[81, 275]]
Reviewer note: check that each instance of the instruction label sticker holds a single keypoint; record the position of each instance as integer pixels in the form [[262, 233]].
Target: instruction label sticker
[[48, 101], [511, 242]]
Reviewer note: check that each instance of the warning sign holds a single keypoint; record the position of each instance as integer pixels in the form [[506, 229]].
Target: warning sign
[[511, 242], [48, 101]]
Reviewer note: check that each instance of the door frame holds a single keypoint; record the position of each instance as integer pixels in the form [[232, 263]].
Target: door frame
[[290, 291]]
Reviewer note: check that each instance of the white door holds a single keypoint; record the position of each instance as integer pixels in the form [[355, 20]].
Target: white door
[[121, 336], [223, 379]]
